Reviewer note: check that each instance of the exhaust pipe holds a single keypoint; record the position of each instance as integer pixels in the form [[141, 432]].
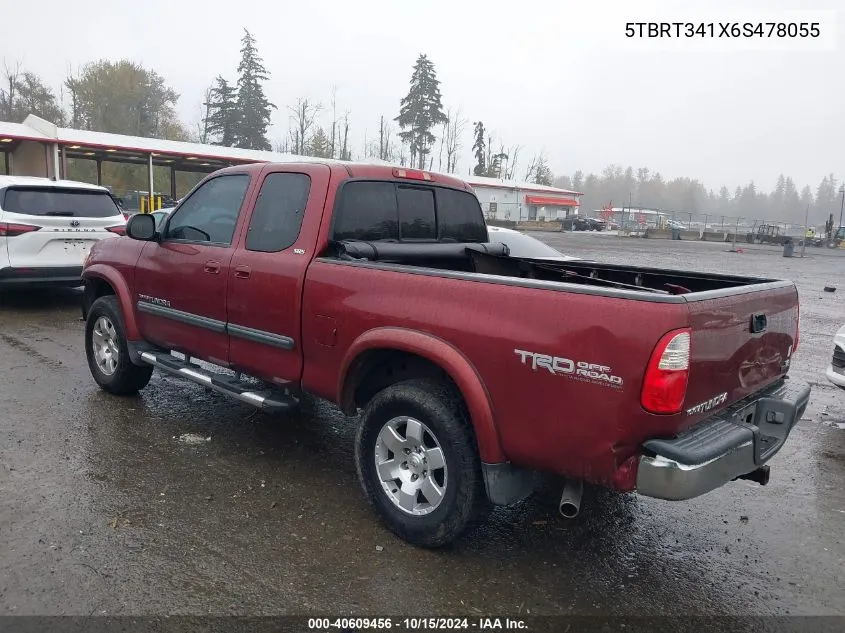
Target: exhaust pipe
[[570, 498]]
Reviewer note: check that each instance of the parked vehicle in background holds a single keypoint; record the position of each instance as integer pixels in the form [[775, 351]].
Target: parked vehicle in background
[[160, 215], [522, 245], [836, 369], [579, 223], [607, 225], [473, 368], [767, 234], [47, 228]]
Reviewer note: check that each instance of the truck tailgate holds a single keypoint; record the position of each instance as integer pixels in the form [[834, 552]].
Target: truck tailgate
[[740, 343]]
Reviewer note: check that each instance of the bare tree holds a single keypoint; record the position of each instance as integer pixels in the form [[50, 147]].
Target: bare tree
[[513, 153], [8, 94], [532, 167], [442, 141], [386, 148], [282, 146], [72, 83], [344, 147], [538, 170], [490, 168], [303, 115], [333, 142], [205, 111], [454, 130]]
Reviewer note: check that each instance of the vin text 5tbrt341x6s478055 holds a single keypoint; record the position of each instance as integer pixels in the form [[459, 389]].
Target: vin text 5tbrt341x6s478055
[[472, 370]]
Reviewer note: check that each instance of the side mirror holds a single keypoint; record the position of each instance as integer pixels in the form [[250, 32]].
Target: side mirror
[[141, 226]]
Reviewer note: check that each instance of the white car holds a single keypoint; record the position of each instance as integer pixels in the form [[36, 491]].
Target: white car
[[836, 370], [522, 245], [48, 226]]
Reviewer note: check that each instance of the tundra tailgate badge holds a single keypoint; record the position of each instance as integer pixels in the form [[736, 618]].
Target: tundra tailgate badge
[[701, 407]]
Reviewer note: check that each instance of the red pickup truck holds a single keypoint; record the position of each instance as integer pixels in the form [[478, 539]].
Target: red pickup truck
[[471, 371]]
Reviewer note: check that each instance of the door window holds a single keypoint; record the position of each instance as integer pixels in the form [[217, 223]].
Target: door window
[[211, 212], [277, 216]]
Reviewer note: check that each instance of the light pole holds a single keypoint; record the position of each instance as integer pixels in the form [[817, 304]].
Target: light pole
[[841, 207]]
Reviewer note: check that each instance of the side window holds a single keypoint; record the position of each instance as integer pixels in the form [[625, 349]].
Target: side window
[[367, 211], [416, 213], [211, 213], [277, 217]]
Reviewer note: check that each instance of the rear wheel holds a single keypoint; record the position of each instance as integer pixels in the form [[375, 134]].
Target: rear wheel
[[418, 464], [107, 352]]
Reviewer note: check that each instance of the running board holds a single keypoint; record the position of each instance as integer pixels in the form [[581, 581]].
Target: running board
[[228, 385]]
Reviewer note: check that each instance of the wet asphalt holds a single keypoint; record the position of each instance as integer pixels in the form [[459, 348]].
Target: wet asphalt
[[180, 501]]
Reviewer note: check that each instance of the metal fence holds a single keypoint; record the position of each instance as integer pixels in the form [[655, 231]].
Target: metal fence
[[637, 220]]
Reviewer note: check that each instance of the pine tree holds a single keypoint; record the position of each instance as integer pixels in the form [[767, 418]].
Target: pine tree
[[791, 201], [320, 145], [253, 106], [420, 111], [807, 199], [222, 118], [479, 148]]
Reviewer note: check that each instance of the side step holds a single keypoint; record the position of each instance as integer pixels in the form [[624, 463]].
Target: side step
[[265, 399]]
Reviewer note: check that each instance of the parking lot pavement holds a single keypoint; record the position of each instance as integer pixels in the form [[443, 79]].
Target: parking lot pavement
[[182, 502]]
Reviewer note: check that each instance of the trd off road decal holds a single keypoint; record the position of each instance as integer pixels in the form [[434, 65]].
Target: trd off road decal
[[577, 370]]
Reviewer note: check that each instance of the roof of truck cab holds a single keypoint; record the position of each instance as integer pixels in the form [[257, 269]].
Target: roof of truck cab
[[34, 181], [358, 170]]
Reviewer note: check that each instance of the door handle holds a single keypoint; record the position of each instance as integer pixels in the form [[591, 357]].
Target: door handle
[[212, 267], [243, 272]]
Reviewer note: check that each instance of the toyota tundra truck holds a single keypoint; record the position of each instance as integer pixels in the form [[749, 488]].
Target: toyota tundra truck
[[471, 374]]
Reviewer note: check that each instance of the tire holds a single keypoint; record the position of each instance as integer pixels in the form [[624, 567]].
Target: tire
[[105, 323], [441, 413]]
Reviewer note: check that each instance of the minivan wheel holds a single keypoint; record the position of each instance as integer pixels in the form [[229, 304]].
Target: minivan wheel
[[418, 464], [107, 352]]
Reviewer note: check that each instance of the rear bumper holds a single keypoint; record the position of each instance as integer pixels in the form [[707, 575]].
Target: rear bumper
[[731, 444], [29, 276]]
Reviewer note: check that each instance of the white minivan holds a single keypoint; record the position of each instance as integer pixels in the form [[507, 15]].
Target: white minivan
[[48, 226]]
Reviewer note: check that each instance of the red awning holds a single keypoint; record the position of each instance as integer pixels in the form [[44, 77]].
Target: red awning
[[546, 201]]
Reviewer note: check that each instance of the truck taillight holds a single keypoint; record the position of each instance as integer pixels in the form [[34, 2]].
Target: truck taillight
[[667, 374], [8, 229], [120, 229], [412, 174]]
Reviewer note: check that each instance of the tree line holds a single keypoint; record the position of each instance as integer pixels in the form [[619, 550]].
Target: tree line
[[642, 188], [126, 98]]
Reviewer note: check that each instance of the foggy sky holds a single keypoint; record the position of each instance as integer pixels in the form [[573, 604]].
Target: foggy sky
[[555, 76]]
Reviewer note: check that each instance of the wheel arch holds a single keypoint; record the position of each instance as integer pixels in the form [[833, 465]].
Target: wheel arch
[[384, 356], [103, 280]]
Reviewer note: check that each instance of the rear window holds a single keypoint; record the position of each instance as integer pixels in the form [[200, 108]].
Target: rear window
[[459, 216], [367, 212], [70, 203], [373, 211], [416, 213]]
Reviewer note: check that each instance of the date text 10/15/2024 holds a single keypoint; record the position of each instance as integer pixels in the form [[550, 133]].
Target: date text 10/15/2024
[[416, 624]]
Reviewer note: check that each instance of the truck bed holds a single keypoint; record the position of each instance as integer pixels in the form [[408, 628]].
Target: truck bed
[[493, 259]]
